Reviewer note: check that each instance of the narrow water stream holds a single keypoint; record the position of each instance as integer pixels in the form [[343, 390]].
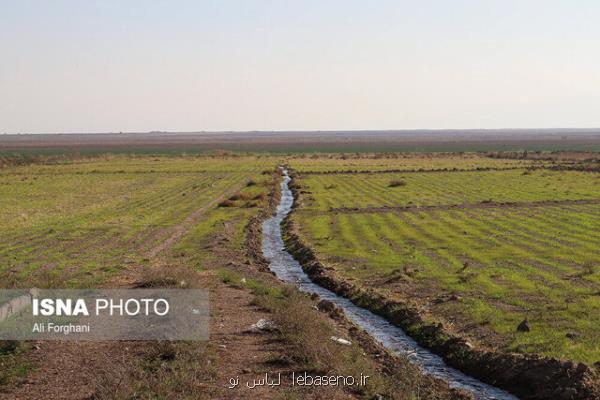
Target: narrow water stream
[[289, 270]]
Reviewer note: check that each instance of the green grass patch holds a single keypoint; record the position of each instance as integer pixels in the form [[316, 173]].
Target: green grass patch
[[504, 262]]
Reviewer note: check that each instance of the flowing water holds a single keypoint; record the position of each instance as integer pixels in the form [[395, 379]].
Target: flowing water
[[289, 270]]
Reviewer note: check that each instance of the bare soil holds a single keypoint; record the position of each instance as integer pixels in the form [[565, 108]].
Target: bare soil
[[333, 141]]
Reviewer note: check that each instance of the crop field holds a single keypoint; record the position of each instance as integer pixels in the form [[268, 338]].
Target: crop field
[[476, 242], [77, 223], [334, 191], [365, 162], [479, 250], [135, 221]]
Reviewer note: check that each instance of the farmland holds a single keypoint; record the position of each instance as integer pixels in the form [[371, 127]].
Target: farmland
[[449, 188], [365, 162], [479, 250], [121, 221], [79, 223], [137, 221], [478, 242]]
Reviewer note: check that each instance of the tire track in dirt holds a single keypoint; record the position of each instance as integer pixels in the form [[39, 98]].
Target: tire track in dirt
[[177, 231]]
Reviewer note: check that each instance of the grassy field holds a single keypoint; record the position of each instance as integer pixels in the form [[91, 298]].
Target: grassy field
[[162, 221], [448, 188], [79, 222], [480, 250], [479, 243], [320, 163]]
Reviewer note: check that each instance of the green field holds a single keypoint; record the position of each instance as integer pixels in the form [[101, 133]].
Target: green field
[[177, 222], [508, 244], [77, 223], [320, 163], [446, 188]]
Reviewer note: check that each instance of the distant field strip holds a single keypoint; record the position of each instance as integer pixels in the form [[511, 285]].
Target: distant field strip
[[404, 171], [407, 162], [444, 188]]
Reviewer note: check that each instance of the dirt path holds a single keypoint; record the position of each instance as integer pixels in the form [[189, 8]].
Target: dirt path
[[85, 370]]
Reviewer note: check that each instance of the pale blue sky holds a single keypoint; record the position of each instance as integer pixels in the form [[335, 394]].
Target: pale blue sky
[[98, 66]]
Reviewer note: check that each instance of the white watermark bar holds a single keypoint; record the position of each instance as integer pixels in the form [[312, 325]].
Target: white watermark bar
[[104, 314]]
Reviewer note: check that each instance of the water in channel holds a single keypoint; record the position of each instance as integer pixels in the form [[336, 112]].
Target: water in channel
[[289, 270]]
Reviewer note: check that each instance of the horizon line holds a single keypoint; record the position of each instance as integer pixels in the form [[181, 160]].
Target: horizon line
[[557, 129]]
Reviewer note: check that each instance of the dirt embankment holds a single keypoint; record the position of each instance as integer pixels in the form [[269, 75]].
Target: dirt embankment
[[410, 171], [528, 376], [466, 206], [253, 230]]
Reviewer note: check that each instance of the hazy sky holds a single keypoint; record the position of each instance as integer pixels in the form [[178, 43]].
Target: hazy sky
[[98, 66]]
